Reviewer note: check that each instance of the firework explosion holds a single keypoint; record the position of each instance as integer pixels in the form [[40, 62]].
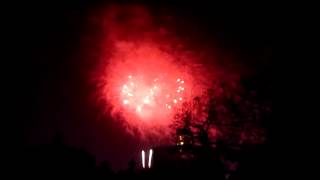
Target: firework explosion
[[143, 80], [147, 86]]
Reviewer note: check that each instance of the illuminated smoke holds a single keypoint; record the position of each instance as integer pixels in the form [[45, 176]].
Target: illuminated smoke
[[145, 80]]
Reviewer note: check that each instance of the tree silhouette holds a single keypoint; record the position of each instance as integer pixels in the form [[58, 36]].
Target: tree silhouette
[[227, 112]]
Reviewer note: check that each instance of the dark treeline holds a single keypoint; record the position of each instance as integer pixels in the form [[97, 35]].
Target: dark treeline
[[58, 160]]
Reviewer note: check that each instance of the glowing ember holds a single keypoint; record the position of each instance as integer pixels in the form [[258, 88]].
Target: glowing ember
[[125, 101], [150, 95]]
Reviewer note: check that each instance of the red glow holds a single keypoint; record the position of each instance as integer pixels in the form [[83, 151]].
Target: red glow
[[145, 80]]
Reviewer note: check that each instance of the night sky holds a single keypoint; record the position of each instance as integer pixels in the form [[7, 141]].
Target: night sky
[[50, 74]]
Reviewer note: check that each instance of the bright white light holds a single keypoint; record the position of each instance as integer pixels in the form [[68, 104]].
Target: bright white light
[[178, 79], [146, 100], [181, 88], [180, 99], [182, 82], [139, 108], [143, 159], [150, 158], [175, 101], [129, 76], [125, 101]]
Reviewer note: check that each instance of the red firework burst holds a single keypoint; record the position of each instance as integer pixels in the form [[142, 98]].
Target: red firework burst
[[142, 79], [144, 82]]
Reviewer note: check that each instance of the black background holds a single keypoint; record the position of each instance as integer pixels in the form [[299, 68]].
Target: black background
[[48, 91]]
